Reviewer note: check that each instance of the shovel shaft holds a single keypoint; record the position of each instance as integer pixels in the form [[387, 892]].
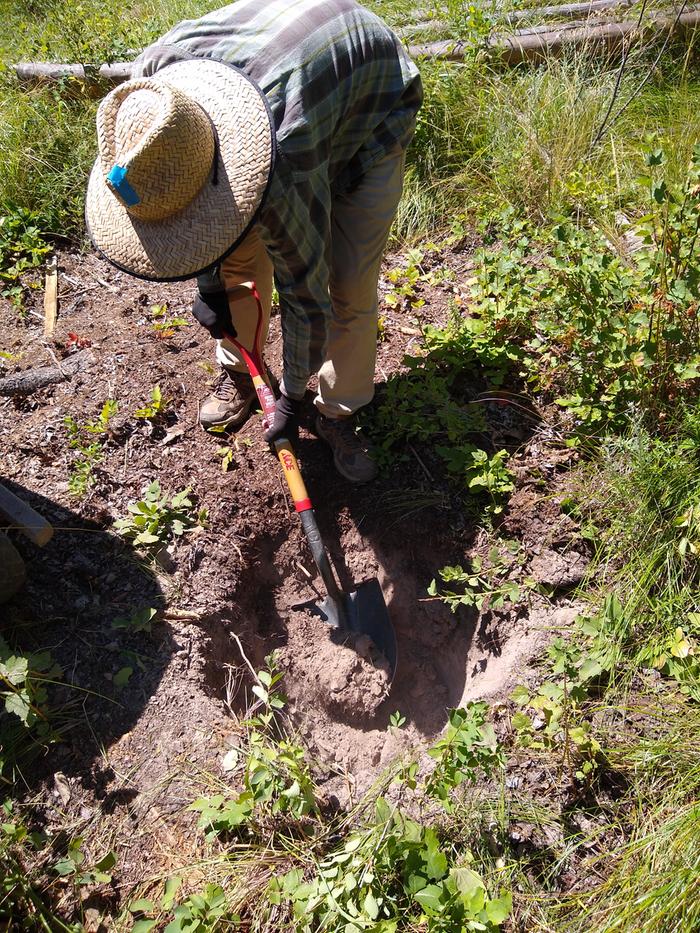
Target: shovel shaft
[[288, 461], [283, 447]]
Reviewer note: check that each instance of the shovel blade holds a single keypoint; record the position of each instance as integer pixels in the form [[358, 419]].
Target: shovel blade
[[364, 612]]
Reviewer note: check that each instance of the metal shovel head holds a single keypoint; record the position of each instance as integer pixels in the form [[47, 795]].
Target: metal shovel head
[[364, 612]]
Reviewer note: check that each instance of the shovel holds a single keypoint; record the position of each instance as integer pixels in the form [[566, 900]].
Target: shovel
[[362, 611]]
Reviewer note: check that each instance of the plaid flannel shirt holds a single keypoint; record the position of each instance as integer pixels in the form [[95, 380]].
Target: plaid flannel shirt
[[343, 93]]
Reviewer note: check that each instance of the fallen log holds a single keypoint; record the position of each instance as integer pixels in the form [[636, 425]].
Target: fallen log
[[538, 46], [33, 73], [527, 45], [558, 11], [30, 380], [566, 10]]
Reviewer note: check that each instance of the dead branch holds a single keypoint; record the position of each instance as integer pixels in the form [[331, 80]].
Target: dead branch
[[30, 380]]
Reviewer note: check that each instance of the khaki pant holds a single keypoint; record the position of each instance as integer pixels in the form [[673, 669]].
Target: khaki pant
[[360, 225]]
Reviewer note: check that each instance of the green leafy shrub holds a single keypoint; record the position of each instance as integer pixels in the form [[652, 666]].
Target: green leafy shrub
[[393, 876], [22, 247]]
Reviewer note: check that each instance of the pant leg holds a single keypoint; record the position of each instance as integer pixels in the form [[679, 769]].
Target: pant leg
[[360, 225], [248, 262]]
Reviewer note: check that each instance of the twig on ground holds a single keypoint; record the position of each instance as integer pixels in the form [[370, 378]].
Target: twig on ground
[[245, 659], [180, 615], [423, 466]]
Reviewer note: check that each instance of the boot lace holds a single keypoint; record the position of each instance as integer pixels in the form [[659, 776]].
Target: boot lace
[[231, 385]]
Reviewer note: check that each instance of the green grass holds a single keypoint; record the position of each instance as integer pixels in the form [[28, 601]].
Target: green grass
[[651, 881], [489, 138], [643, 492]]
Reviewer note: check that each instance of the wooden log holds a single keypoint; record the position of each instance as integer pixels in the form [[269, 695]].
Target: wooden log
[[529, 45], [557, 11], [32, 73], [30, 380], [23, 516], [566, 10], [537, 46]]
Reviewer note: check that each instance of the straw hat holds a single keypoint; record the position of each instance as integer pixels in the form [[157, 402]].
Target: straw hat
[[184, 163]]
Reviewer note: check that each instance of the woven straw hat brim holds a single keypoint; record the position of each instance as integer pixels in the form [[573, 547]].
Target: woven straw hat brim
[[195, 238]]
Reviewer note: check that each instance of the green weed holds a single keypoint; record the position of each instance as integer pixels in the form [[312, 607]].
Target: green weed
[[467, 748], [156, 408], [643, 497], [488, 582], [157, 518], [88, 441], [164, 326], [22, 247], [140, 621], [393, 876]]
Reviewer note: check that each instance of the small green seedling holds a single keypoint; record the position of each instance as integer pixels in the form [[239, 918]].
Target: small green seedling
[[155, 519], [468, 746], [72, 865], [226, 454], [140, 621], [397, 719], [88, 440], [164, 326], [154, 409]]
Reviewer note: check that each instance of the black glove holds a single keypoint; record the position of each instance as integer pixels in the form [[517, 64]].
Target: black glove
[[211, 309], [286, 420]]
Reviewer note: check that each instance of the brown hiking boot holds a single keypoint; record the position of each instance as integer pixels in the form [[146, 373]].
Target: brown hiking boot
[[231, 401], [351, 453]]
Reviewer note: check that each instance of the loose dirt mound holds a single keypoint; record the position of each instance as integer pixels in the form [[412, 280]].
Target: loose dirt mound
[[341, 671]]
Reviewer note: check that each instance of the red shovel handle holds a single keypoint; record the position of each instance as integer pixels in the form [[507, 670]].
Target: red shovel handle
[[258, 373]]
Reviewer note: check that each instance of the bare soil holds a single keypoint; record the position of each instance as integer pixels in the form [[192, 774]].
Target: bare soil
[[133, 745]]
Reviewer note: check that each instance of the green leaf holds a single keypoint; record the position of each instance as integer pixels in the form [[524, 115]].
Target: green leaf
[[171, 888], [498, 910], [18, 704], [382, 810], [106, 862], [371, 907], [121, 678], [436, 863], [15, 670], [143, 926], [294, 790], [142, 905], [429, 897], [466, 881], [521, 695]]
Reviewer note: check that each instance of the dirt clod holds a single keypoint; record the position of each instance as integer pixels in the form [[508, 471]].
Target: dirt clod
[[344, 672]]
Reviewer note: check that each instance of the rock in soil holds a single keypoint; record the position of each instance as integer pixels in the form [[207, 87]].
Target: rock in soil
[[344, 672]]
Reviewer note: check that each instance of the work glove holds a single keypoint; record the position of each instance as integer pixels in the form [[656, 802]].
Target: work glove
[[286, 420], [210, 307]]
